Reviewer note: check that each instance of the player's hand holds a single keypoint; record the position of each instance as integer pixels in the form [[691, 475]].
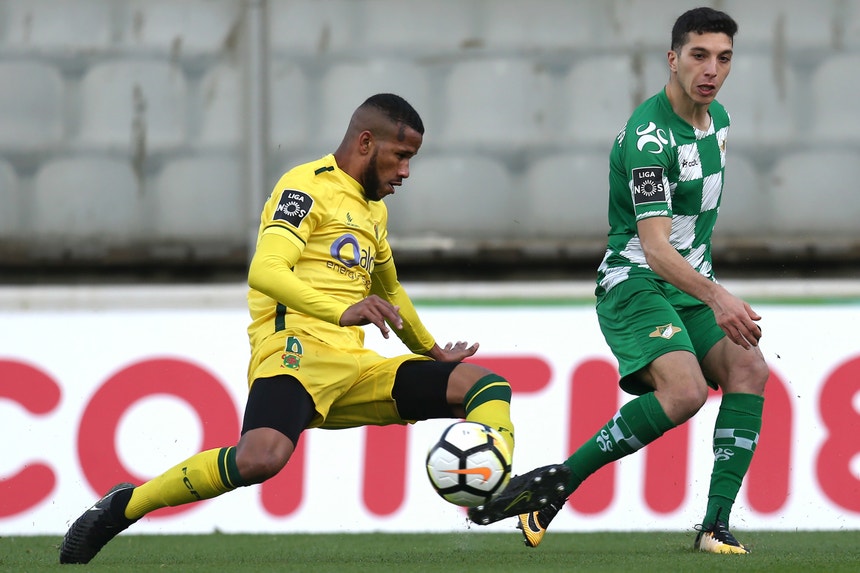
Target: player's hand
[[373, 310], [737, 319], [453, 352]]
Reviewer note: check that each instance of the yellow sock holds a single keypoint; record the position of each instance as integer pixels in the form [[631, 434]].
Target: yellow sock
[[489, 402], [202, 476]]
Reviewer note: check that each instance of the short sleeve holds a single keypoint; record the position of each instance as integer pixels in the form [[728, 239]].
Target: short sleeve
[[648, 158]]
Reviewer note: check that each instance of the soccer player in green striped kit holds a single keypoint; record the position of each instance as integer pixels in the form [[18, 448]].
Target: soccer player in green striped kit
[[673, 328]]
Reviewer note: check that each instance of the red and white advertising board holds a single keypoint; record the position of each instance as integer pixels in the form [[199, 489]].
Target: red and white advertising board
[[93, 396]]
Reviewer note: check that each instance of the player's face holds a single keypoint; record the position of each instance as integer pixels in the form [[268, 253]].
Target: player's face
[[388, 166], [702, 65]]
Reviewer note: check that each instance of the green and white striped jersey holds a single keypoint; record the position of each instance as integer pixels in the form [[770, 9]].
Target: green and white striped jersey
[[661, 166]]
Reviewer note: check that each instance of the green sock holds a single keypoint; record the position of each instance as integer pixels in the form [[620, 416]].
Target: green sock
[[638, 423], [736, 434]]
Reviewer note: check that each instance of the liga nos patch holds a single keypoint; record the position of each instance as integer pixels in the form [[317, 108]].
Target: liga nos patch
[[648, 185], [293, 207]]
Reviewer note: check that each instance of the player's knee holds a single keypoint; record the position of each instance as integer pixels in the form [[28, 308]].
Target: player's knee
[[682, 401], [464, 379], [750, 376], [258, 461], [259, 468], [693, 397]]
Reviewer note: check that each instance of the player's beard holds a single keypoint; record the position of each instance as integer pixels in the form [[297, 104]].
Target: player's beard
[[370, 179]]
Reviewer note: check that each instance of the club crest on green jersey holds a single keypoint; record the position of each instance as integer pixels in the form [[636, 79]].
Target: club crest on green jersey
[[666, 331]]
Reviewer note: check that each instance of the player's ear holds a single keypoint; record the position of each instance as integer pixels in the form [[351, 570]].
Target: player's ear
[[365, 142], [672, 57]]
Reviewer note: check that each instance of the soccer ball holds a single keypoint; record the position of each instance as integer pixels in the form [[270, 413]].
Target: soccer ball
[[469, 464]]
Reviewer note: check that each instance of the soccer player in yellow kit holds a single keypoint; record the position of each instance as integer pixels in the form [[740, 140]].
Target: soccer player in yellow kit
[[322, 269]]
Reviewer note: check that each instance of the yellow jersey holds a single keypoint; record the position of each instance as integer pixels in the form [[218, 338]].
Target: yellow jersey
[[341, 255]]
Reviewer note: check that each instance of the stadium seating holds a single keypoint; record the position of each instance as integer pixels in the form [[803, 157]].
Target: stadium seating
[[131, 103], [86, 201], [498, 103], [222, 108], [834, 102], [58, 28], [289, 94], [848, 22], [783, 25], [384, 28], [515, 26], [644, 24], [745, 209], [602, 91], [525, 92], [313, 29], [180, 29], [567, 196], [31, 106], [444, 194], [761, 95], [589, 26], [813, 196], [364, 79], [220, 103], [200, 199], [10, 214]]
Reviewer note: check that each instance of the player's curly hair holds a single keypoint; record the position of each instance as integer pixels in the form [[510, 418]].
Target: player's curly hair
[[701, 20], [397, 109]]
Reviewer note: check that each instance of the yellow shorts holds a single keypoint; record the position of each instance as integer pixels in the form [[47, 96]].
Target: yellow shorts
[[350, 386]]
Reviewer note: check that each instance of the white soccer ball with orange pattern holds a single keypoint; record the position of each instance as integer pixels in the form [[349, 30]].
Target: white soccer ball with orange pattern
[[469, 465]]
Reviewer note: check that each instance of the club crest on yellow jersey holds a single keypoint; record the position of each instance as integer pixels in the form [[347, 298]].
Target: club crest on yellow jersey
[[292, 355]]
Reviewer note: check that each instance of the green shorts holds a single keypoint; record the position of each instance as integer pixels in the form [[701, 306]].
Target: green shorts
[[643, 318]]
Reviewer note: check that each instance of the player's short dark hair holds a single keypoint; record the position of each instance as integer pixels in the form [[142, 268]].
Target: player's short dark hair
[[701, 20], [396, 109]]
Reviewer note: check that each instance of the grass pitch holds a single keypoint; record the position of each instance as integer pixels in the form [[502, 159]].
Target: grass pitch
[[471, 552]]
